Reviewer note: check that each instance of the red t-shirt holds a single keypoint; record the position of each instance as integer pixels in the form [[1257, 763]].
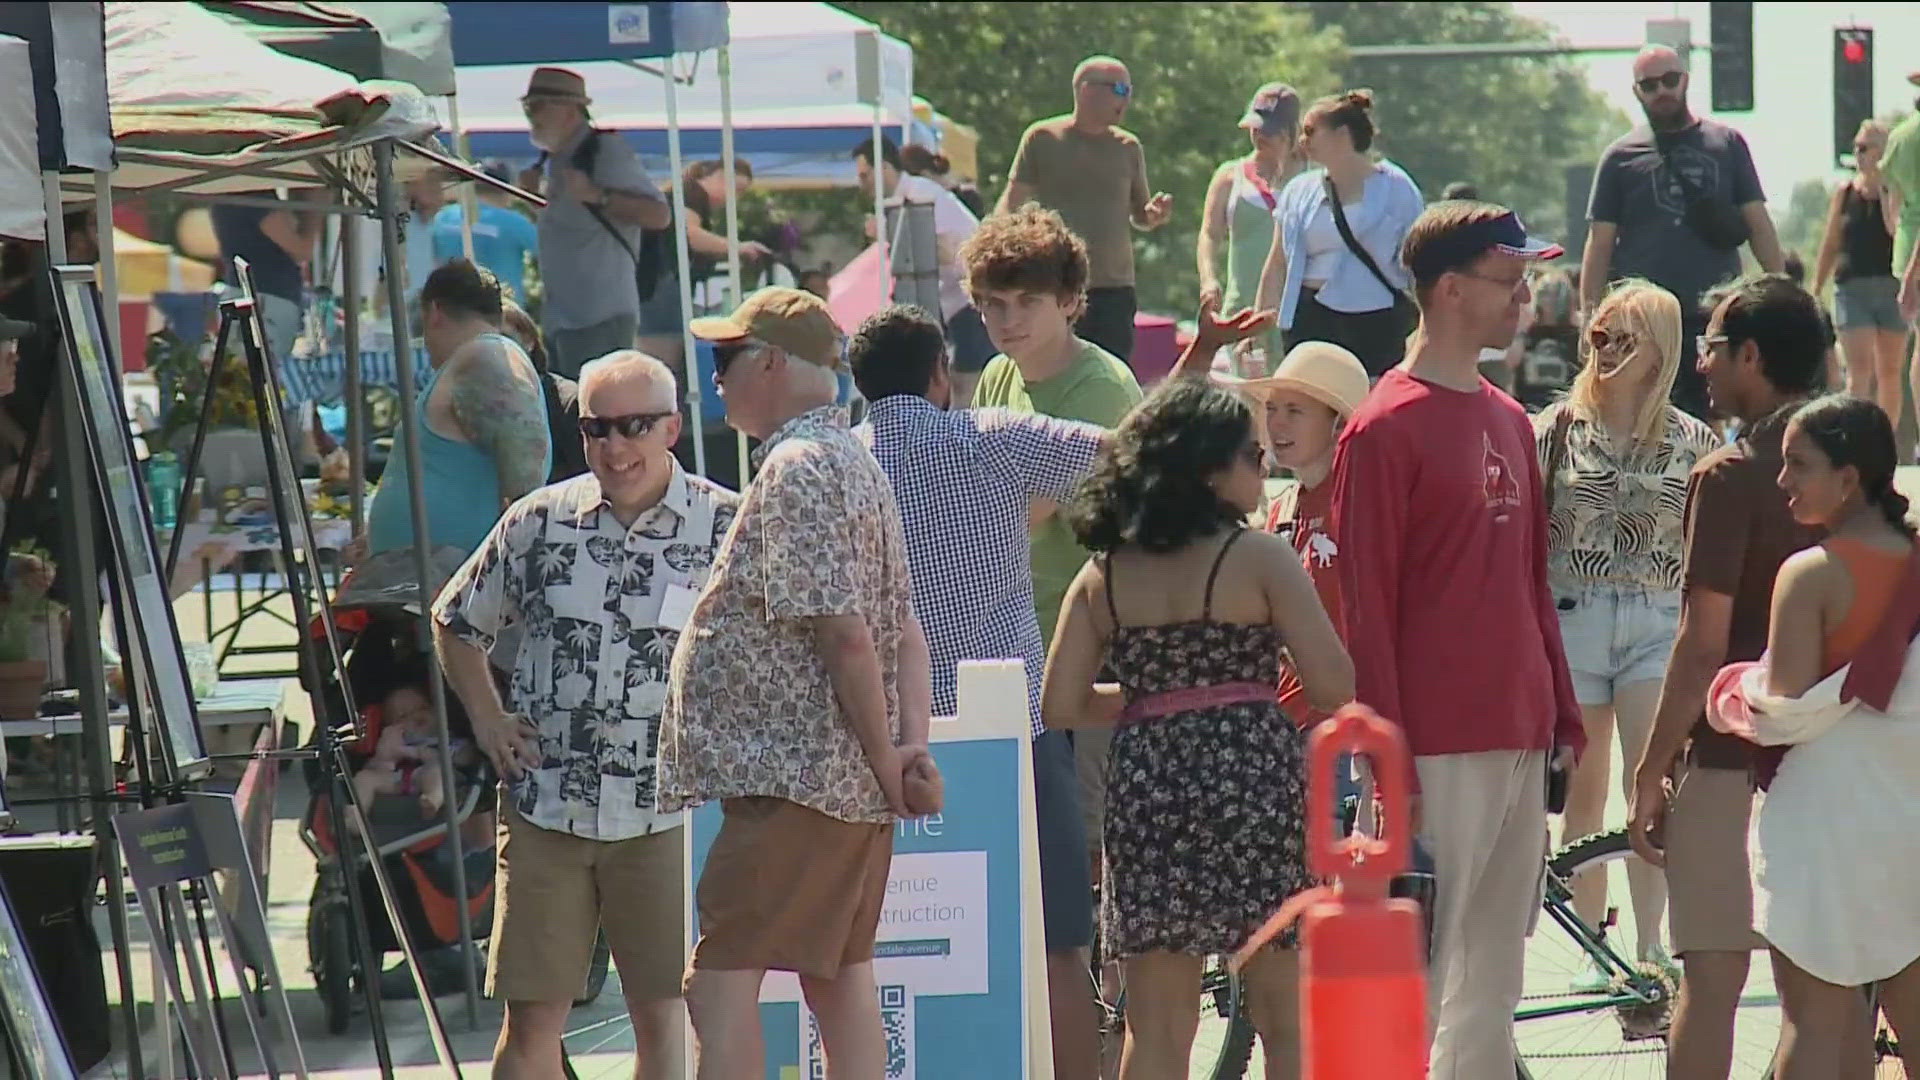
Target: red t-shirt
[[1443, 571], [1311, 531]]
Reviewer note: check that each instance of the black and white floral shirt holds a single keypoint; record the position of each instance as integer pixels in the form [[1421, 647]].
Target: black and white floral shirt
[[599, 606]]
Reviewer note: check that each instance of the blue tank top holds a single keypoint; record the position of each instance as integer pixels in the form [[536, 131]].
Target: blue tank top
[[462, 486]]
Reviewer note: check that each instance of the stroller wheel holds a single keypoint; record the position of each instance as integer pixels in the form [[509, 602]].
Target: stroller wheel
[[330, 955], [597, 974]]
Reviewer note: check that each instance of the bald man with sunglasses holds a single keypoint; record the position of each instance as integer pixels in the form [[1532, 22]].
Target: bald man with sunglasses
[[1673, 200], [597, 574], [1094, 172]]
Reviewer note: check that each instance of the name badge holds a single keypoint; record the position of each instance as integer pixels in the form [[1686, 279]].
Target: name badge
[[676, 607]]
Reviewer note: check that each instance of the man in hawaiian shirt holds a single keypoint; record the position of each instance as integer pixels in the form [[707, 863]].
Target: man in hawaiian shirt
[[599, 573], [799, 697]]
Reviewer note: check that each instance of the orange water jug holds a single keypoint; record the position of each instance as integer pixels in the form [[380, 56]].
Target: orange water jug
[[1362, 955]]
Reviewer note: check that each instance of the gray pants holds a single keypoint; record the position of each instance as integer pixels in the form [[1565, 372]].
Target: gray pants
[[567, 350]]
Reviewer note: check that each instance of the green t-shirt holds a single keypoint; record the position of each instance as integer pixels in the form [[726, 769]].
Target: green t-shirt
[[1096, 388], [1901, 167]]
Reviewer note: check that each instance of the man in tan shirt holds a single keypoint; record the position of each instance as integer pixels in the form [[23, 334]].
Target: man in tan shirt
[[1094, 173]]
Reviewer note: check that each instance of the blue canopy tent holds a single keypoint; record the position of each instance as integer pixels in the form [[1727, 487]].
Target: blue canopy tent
[[817, 82]]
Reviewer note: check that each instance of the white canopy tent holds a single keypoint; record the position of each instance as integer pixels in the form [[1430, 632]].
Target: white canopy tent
[[23, 213], [804, 76]]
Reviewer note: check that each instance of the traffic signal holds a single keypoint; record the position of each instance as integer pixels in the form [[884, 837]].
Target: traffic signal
[[1852, 85], [1731, 35]]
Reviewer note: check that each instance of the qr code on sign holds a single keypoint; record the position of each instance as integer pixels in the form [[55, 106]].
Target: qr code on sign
[[896, 1023]]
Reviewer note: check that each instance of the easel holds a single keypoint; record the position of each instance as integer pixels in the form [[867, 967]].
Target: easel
[[163, 732], [336, 720]]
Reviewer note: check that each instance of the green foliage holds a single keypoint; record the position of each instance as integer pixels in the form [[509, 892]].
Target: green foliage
[[1001, 66], [1508, 125], [1805, 221]]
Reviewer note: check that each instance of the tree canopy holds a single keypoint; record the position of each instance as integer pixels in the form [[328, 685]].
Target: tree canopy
[[1509, 126]]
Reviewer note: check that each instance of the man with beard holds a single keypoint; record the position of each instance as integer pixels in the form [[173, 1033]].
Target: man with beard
[[1094, 173], [598, 201], [598, 574], [1672, 202]]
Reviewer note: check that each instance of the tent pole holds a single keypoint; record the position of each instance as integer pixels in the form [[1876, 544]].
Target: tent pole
[[734, 287], [82, 553], [468, 203], [880, 200], [691, 364], [395, 251], [355, 391]]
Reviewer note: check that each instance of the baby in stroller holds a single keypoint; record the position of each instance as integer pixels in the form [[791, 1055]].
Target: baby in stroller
[[406, 748]]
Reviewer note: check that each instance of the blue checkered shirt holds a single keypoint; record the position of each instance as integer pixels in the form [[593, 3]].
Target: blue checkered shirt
[[965, 483]]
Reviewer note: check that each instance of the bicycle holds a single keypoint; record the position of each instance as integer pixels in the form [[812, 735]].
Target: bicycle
[[1621, 1030]]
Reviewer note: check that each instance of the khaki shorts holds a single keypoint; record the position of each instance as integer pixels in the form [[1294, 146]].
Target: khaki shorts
[[1709, 892], [556, 890], [786, 888]]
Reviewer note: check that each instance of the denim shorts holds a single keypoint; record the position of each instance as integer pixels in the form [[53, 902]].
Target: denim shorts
[[1868, 303], [1616, 635]]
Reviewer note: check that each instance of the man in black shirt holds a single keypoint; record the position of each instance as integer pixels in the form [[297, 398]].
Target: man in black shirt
[[1672, 202]]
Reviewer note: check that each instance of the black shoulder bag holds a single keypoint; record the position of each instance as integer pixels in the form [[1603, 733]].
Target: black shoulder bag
[[649, 262], [1712, 218], [1406, 314]]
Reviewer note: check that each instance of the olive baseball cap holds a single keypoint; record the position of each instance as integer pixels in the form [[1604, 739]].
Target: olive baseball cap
[[792, 320]]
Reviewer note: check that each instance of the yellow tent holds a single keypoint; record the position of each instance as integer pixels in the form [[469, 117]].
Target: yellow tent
[[145, 268], [960, 143]]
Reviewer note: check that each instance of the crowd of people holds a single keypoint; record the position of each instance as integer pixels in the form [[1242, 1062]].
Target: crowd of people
[[630, 640], [1695, 550]]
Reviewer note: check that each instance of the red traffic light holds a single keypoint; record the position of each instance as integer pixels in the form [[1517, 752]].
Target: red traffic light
[[1854, 51]]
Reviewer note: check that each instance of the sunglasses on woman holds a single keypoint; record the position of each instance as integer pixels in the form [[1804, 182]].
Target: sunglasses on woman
[[1603, 340], [1670, 80], [631, 426]]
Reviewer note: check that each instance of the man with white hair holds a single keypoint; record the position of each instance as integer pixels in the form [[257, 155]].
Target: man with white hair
[[799, 697], [1094, 173], [598, 574]]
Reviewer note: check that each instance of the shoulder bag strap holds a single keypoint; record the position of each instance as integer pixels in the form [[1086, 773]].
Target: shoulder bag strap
[[1556, 451], [1353, 244], [601, 217]]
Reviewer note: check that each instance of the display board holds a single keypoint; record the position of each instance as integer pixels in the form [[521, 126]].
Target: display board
[[960, 956]]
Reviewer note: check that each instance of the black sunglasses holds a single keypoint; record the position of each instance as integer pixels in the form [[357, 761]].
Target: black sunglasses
[[1670, 80], [632, 426], [725, 355]]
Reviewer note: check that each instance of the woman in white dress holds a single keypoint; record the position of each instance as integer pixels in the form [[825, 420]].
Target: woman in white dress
[[1836, 890]]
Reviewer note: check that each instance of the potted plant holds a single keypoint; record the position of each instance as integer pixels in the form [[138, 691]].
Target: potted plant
[[26, 613]]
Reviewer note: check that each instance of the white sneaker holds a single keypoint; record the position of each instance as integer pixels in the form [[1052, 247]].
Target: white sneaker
[[1594, 980]]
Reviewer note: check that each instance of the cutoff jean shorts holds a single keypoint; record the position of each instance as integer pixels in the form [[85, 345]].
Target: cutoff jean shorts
[[1868, 303], [1616, 634]]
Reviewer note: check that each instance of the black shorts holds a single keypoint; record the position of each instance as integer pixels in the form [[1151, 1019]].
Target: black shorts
[[1375, 337]]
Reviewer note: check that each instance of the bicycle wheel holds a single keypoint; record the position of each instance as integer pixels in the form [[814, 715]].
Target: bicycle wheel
[[1565, 1030], [1223, 1046]]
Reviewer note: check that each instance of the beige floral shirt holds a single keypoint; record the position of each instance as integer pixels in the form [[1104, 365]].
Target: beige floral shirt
[[750, 709]]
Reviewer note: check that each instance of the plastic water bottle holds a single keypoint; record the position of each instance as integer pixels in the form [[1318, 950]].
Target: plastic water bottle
[[163, 489]]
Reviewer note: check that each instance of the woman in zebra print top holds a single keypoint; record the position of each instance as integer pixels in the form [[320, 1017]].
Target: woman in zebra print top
[[1615, 455]]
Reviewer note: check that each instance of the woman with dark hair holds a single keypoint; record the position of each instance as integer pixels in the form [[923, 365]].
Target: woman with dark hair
[[1205, 831], [1832, 893], [1334, 271]]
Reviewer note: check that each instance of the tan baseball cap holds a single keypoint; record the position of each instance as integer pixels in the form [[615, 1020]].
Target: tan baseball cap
[[1321, 370], [793, 320]]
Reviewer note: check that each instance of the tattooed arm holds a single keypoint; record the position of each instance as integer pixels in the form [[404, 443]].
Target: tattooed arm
[[496, 401]]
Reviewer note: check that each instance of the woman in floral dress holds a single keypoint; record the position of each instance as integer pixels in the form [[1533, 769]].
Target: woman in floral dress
[[1205, 826]]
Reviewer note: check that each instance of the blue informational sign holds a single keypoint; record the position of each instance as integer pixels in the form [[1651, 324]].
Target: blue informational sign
[[565, 31], [958, 957]]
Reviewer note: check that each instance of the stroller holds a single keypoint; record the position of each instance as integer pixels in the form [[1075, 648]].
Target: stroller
[[412, 843], [377, 617]]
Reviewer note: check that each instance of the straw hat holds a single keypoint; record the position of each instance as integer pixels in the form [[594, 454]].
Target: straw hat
[[1321, 370]]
